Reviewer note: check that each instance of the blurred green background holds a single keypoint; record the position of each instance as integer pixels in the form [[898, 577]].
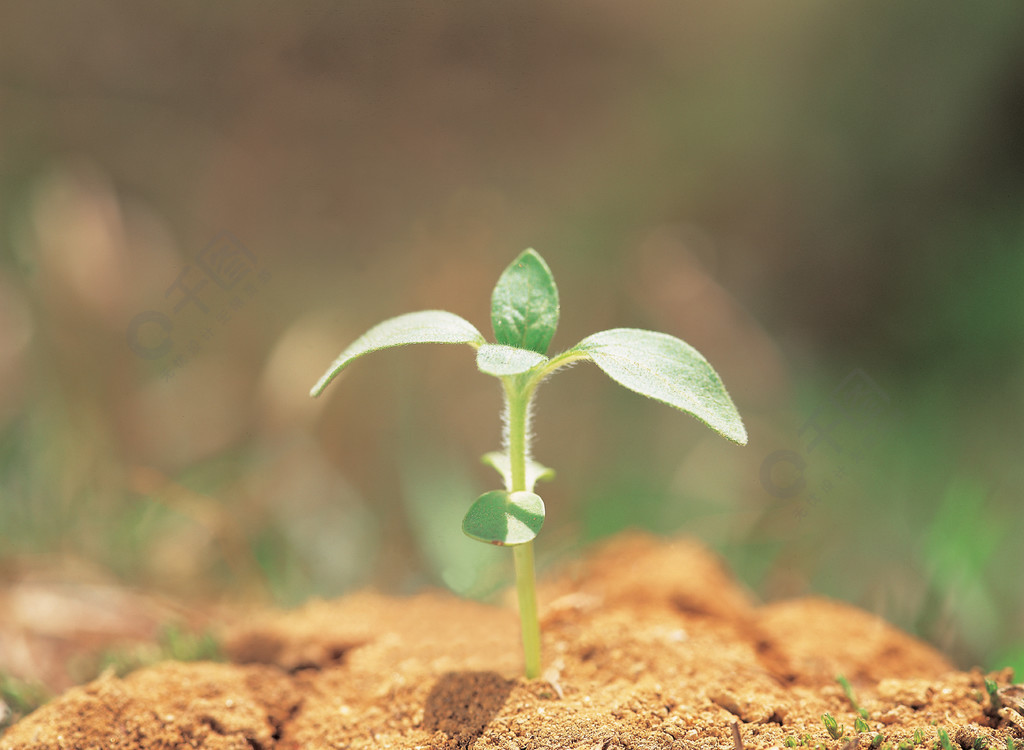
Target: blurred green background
[[824, 198]]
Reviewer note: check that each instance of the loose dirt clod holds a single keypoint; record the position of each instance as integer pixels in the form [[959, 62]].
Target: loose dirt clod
[[632, 667]]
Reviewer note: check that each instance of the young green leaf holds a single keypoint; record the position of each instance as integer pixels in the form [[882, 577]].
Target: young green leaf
[[426, 327], [666, 369], [504, 518], [501, 463], [524, 304], [500, 360]]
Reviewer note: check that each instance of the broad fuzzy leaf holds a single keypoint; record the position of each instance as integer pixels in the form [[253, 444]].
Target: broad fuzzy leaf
[[535, 472], [504, 518], [524, 304], [666, 369], [426, 327], [501, 360]]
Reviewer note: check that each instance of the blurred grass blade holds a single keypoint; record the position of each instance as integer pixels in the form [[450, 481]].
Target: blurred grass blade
[[426, 327]]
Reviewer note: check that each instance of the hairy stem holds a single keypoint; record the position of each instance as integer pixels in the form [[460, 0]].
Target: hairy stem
[[517, 404], [517, 433]]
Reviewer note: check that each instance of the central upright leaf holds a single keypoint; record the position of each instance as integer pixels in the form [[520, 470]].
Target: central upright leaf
[[524, 305]]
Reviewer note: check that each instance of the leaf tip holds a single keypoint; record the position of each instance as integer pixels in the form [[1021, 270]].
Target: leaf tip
[[317, 389], [326, 379], [733, 430]]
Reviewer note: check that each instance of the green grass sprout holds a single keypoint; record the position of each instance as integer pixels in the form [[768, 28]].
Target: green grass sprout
[[174, 642], [944, 740], [524, 316], [992, 688], [832, 726]]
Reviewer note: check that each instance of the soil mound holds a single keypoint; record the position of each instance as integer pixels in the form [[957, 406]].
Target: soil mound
[[647, 645]]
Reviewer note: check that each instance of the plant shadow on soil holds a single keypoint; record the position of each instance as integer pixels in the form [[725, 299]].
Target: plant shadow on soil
[[648, 644], [462, 704]]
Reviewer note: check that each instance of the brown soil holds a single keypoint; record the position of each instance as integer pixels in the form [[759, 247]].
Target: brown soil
[[647, 645]]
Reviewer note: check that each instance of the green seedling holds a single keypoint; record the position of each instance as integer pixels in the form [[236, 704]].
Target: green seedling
[[877, 741], [859, 725], [980, 743], [992, 688], [1010, 744], [524, 316], [918, 736], [832, 726], [944, 740]]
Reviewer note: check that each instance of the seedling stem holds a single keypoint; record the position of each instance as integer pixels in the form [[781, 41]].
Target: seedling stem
[[526, 587], [518, 394]]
